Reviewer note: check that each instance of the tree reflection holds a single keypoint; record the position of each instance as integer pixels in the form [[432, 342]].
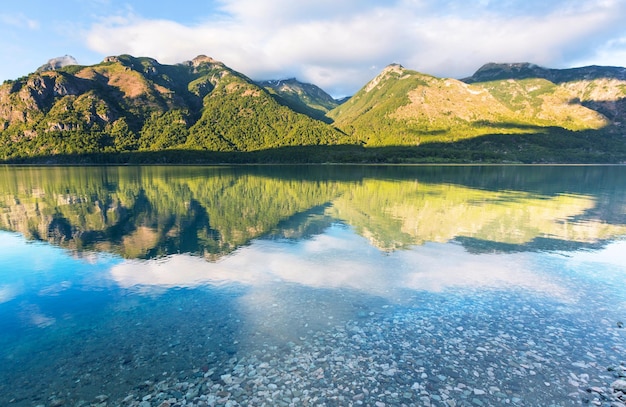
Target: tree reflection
[[147, 212]]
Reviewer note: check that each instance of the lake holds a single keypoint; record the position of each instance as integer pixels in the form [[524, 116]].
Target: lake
[[312, 286]]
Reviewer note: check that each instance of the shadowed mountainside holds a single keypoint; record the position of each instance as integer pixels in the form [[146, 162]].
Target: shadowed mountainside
[[302, 97]]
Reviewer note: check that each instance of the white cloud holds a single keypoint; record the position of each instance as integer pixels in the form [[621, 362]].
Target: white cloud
[[335, 49], [612, 53]]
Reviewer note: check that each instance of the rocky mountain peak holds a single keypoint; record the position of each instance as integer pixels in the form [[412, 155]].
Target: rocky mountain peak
[[58, 62], [111, 59], [389, 70], [203, 59], [397, 68]]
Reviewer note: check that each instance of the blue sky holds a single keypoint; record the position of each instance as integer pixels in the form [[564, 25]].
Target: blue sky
[[336, 44]]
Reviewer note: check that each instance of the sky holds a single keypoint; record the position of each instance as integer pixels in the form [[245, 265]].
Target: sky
[[338, 45]]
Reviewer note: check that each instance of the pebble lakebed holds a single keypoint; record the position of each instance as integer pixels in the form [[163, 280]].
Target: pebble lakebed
[[479, 353]]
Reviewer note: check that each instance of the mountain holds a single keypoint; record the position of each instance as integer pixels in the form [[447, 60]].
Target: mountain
[[137, 104], [524, 70], [601, 88], [129, 108], [302, 97], [405, 107], [238, 115]]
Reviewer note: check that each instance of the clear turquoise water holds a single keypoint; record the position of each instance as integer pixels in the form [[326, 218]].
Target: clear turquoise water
[[486, 277]]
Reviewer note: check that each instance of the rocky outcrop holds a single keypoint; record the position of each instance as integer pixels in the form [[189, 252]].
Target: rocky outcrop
[[57, 63], [24, 102]]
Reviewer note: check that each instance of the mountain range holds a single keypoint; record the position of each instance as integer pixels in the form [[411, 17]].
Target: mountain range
[[127, 107]]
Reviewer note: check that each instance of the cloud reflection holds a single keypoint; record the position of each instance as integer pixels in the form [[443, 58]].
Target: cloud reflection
[[614, 254], [340, 259], [8, 293], [32, 315]]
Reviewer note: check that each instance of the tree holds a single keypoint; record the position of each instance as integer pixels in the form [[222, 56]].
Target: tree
[[164, 130], [124, 139]]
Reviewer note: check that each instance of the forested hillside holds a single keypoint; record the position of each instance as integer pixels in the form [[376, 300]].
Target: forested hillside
[[129, 104]]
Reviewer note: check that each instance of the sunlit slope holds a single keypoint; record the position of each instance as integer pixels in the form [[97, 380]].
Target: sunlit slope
[[98, 108], [600, 88], [605, 95], [404, 107]]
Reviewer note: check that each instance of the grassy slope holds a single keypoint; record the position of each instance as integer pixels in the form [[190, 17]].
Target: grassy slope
[[403, 107]]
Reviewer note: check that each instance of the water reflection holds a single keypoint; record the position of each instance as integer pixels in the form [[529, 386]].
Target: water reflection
[[340, 259], [147, 212], [198, 272]]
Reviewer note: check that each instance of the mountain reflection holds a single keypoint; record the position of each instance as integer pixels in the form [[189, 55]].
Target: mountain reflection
[[148, 212]]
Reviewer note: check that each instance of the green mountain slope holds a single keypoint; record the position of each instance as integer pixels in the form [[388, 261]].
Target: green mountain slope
[[404, 107], [136, 104], [302, 97], [238, 115]]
